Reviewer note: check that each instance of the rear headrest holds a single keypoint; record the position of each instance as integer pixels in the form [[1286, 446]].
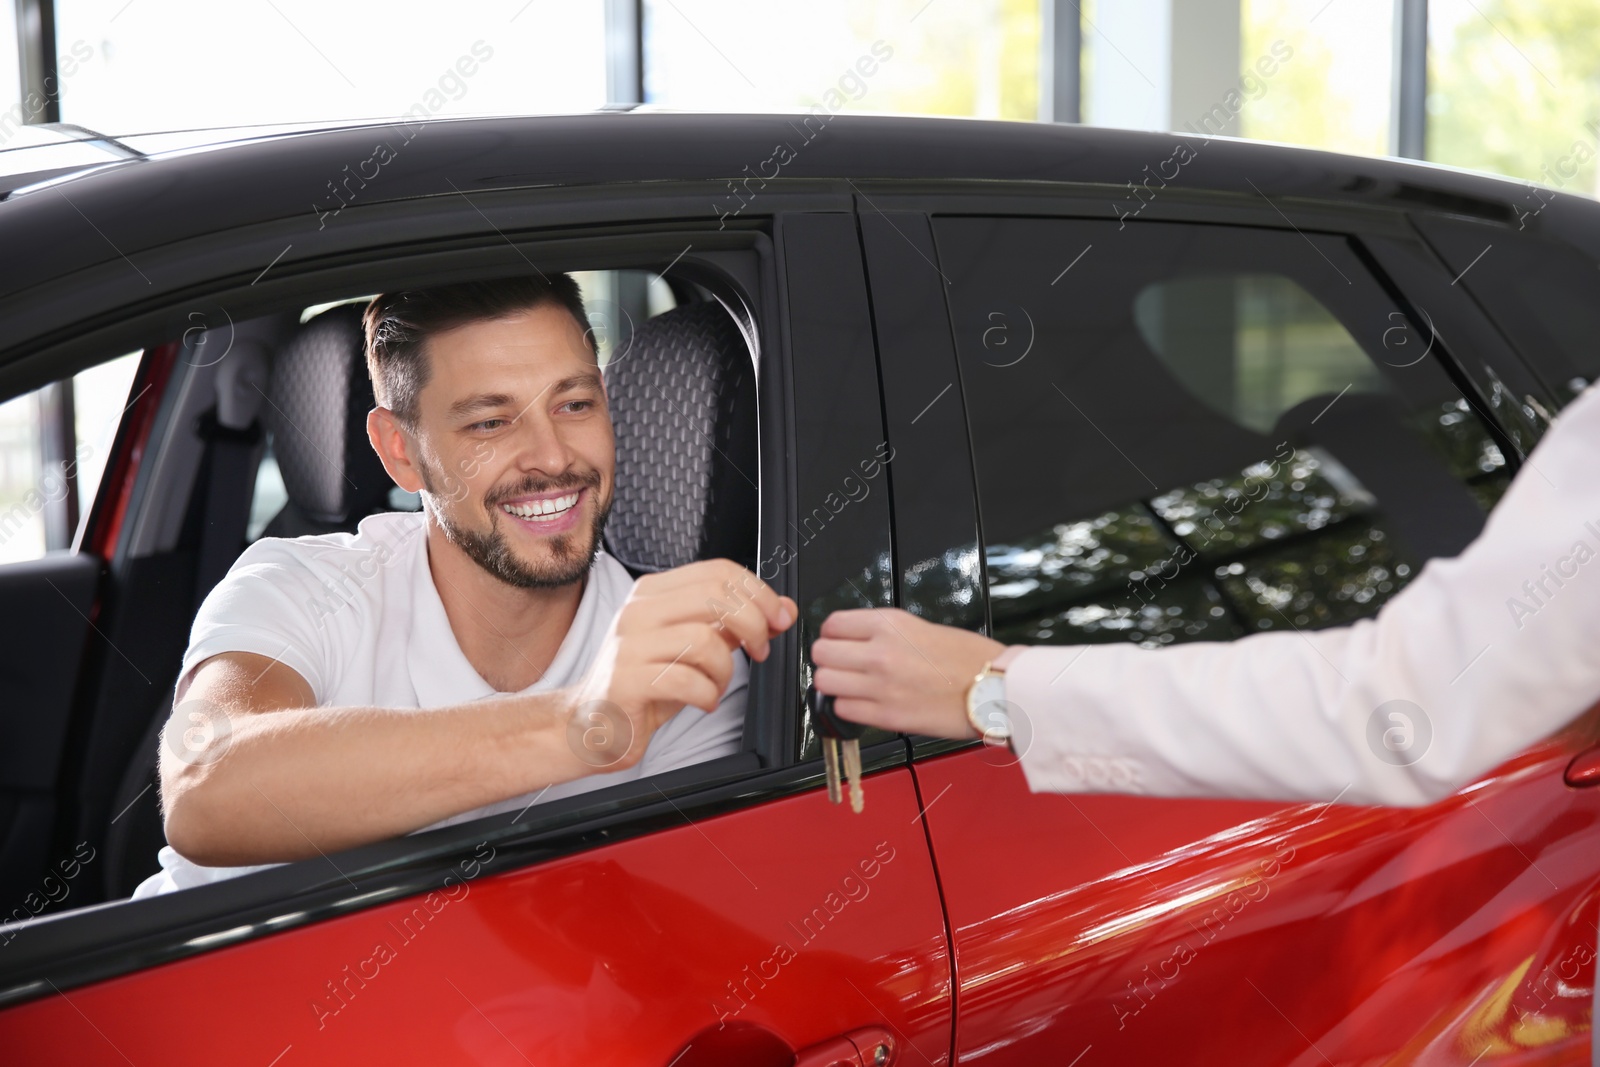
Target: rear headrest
[[683, 399], [320, 397]]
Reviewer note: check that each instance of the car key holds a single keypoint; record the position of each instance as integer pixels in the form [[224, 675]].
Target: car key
[[841, 749]]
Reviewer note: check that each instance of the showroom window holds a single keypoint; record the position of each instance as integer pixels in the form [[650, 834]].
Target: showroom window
[[140, 67], [10, 75], [53, 448], [1332, 85], [903, 56], [1512, 90]]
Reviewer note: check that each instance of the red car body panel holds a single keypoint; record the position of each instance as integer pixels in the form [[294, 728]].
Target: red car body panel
[[1100, 929], [617, 955]]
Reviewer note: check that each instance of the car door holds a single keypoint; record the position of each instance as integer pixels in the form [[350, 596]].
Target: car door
[[721, 913], [1163, 431]]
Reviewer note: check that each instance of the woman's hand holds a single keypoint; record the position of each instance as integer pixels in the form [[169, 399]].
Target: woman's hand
[[887, 668]]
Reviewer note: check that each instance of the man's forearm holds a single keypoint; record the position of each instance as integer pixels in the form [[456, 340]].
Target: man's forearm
[[291, 784]]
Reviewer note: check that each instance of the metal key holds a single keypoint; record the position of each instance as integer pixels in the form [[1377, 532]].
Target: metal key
[[841, 749]]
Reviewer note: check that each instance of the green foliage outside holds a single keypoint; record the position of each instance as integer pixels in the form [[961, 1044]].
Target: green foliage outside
[[981, 61], [1515, 89]]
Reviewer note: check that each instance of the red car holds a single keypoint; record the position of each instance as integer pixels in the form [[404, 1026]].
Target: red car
[[1058, 384]]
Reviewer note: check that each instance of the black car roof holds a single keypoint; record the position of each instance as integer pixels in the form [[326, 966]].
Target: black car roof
[[141, 191]]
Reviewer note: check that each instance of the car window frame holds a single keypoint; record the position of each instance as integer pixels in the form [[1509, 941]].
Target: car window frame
[[908, 208], [116, 937]]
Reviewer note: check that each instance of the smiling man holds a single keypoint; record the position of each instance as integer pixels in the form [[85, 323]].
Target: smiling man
[[484, 654]]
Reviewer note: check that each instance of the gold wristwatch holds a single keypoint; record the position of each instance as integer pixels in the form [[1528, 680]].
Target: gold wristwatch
[[987, 709]]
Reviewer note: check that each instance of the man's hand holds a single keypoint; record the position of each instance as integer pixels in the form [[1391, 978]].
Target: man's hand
[[887, 668], [671, 645]]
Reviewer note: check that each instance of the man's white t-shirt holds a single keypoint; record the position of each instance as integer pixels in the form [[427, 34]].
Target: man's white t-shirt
[[359, 618]]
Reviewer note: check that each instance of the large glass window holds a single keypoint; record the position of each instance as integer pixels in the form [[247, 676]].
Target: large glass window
[[188, 63], [1199, 432], [53, 448], [907, 56], [1515, 88], [10, 75], [1330, 73]]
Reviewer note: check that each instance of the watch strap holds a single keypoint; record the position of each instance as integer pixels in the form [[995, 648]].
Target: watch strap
[[1005, 659]]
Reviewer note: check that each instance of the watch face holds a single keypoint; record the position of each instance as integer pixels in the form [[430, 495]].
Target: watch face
[[991, 710]]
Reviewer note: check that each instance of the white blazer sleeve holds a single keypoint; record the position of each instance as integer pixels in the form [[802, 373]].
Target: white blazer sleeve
[[1487, 652]]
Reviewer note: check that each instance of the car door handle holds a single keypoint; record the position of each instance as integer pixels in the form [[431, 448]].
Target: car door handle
[[871, 1046], [1584, 771]]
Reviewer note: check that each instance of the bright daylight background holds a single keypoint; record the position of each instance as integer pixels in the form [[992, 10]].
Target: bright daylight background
[[1512, 87], [1512, 84]]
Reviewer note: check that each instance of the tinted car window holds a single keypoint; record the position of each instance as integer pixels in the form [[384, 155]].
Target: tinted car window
[[1541, 293], [1226, 339], [1196, 433]]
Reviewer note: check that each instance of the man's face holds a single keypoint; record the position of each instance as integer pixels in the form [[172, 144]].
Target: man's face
[[515, 445]]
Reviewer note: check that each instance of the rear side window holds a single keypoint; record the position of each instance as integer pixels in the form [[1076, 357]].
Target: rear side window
[[1541, 293], [1195, 432], [1226, 339]]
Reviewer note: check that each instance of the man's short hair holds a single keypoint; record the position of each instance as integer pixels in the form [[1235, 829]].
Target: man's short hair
[[399, 323]]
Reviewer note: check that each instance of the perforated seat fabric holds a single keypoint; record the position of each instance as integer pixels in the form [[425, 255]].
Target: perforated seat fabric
[[320, 395], [683, 400]]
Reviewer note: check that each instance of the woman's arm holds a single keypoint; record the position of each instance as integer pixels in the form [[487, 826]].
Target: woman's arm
[[1479, 657]]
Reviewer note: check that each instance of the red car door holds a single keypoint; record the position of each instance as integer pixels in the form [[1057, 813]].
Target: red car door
[[732, 938], [1122, 388], [722, 914]]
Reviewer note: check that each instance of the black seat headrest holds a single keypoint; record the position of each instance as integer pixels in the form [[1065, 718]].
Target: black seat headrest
[[317, 420], [683, 400]]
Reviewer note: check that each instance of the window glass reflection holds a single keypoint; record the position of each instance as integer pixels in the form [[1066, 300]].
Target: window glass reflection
[[1206, 436]]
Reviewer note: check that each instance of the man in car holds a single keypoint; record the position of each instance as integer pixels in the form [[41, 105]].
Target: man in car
[[1479, 657], [479, 656]]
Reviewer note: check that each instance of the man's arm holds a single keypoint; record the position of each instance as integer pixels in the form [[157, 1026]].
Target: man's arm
[[282, 779]]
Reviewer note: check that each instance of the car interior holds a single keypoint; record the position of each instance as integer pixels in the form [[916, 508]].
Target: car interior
[[265, 436]]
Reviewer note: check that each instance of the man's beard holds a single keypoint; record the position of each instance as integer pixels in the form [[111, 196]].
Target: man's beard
[[492, 551]]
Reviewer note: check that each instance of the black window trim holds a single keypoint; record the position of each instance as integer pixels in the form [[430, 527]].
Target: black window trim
[[1349, 222], [1044, 200], [63, 950]]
